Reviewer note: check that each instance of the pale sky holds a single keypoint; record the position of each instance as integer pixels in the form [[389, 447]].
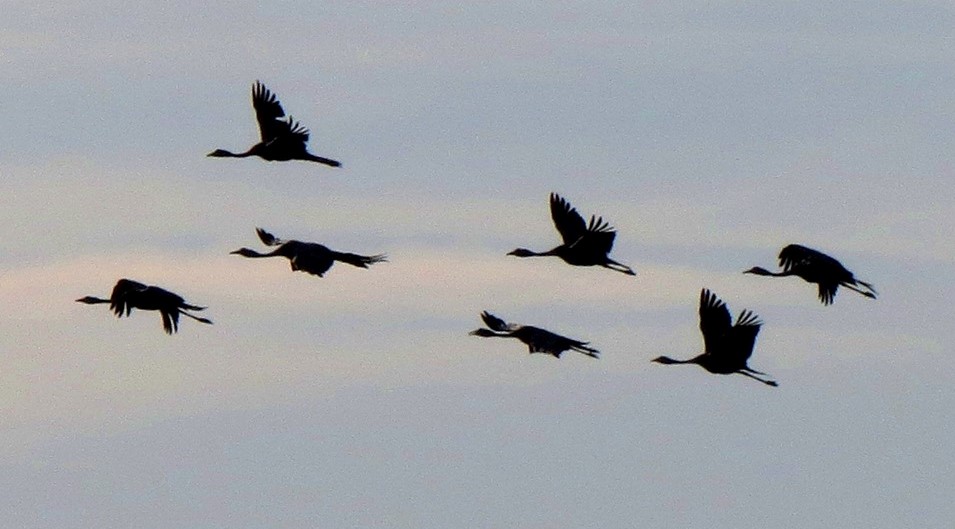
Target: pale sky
[[709, 134]]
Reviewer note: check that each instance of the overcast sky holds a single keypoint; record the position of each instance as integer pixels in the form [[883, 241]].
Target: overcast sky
[[709, 134]]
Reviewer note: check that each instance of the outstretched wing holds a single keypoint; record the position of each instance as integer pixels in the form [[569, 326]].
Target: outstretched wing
[[715, 322], [598, 239], [816, 267], [170, 320], [543, 341], [290, 132], [797, 256], [742, 337], [267, 238], [119, 299], [566, 219], [827, 292], [497, 324], [268, 112]]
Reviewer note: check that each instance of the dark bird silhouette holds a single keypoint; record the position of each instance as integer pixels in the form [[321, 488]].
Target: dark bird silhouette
[[816, 267], [537, 340], [283, 138], [128, 295], [726, 347], [584, 245], [308, 257]]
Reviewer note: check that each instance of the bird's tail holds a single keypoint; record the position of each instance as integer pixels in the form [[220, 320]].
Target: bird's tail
[[191, 307], [361, 261], [326, 161]]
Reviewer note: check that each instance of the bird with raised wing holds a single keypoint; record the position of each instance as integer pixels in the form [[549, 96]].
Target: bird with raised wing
[[726, 346], [309, 257], [584, 244], [128, 295], [538, 340], [283, 138], [814, 266]]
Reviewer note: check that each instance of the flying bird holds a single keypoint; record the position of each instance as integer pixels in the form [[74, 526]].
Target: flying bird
[[584, 244], [537, 340], [128, 295], [726, 346], [309, 257], [816, 267], [283, 138]]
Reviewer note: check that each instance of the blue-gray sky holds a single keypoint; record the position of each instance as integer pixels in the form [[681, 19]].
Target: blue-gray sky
[[709, 134]]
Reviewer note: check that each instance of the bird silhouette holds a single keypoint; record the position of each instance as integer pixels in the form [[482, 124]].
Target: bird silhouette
[[726, 346], [538, 340], [816, 267], [282, 139], [584, 245], [128, 295], [308, 257]]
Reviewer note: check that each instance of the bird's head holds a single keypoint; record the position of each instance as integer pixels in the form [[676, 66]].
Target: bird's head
[[758, 271], [486, 333], [522, 252], [220, 153], [245, 252]]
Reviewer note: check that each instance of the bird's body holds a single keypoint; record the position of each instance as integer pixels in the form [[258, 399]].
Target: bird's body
[[726, 346], [816, 267], [309, 257], [537, 340], [584, 244], [283, 139], [128, 295]]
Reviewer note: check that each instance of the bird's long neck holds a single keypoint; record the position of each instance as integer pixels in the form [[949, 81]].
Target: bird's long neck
[[248, 252], [92, 300], [763, 272], [524, 252], [666, 360], [222, 153]]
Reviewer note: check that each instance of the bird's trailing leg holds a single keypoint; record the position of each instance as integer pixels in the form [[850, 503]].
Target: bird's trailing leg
[[593, 353], [197, 318], [619, 267], [867, 293], [754, 377]]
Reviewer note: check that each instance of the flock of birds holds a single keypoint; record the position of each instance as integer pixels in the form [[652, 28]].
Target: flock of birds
[[727, 346]]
